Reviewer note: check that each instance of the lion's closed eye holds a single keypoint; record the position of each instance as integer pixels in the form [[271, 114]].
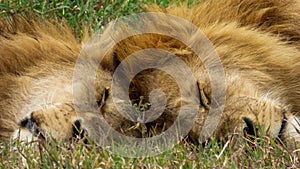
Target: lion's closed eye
[[103, 98], [204, 96]]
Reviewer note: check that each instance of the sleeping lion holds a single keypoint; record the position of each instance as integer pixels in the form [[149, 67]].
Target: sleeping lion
[[258, 44]]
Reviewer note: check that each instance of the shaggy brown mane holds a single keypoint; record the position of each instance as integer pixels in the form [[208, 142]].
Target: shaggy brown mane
[[26, 40], [30, 44], [280, 17]]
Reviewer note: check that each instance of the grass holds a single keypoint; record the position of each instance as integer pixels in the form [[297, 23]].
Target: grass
[[236, 153], [94, 14]]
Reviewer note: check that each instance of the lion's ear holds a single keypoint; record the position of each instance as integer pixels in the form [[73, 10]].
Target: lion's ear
[[110, 62]]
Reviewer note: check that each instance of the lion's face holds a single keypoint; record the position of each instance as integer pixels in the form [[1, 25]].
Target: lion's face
[[57, 121], [61, 120]]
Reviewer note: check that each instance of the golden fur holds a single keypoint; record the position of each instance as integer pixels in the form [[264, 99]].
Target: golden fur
[[36, 57], [258, 43]]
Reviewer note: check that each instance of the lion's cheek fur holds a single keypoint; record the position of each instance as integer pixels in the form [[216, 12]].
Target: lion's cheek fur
[[41, 94]]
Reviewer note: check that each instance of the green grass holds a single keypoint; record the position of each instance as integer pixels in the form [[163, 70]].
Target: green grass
[[92, 14], [237, 153], [233, 154]]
